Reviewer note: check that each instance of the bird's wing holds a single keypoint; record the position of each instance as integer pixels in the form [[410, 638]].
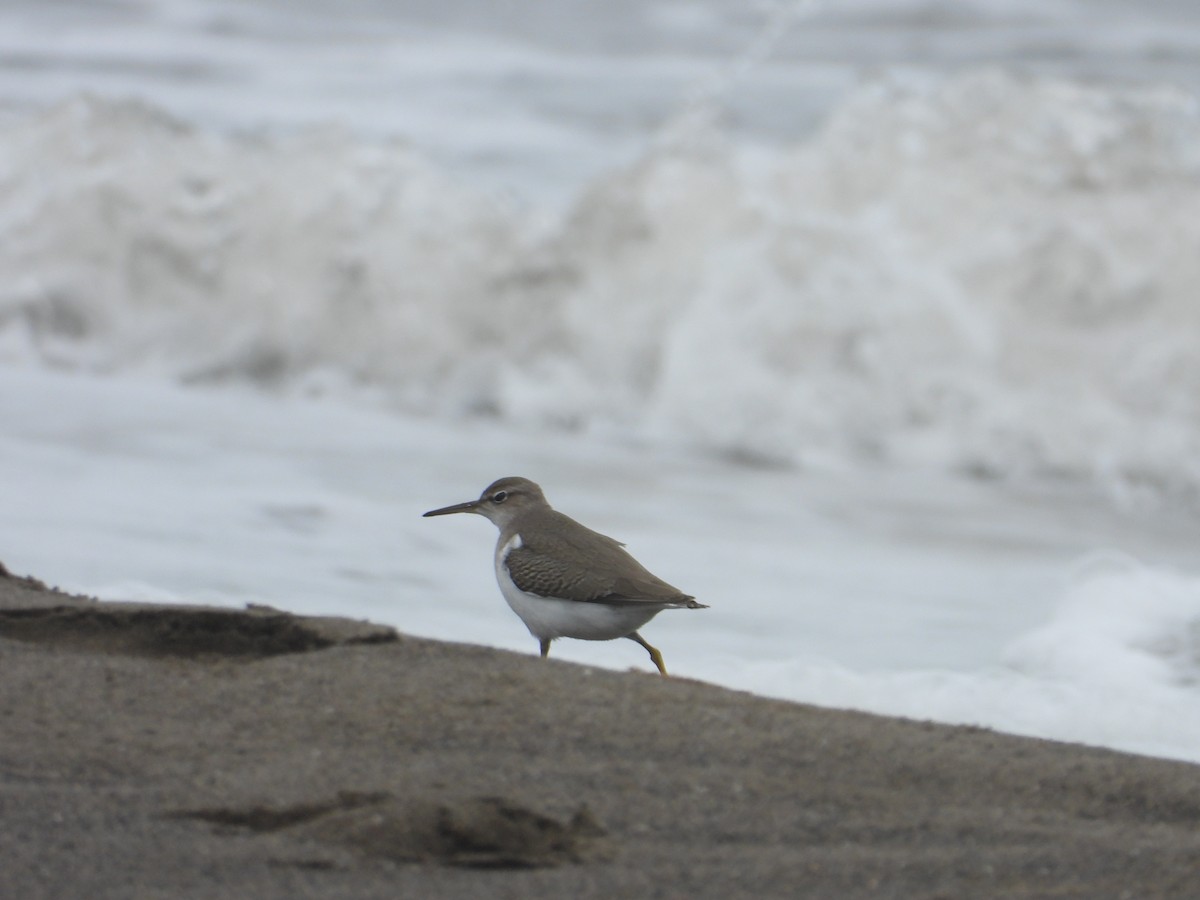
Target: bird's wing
[[549, 564]]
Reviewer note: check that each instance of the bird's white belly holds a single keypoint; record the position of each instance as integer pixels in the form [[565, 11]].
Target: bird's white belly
[[548, 618]]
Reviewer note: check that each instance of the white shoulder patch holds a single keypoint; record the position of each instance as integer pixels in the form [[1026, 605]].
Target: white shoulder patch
[[513, 543]]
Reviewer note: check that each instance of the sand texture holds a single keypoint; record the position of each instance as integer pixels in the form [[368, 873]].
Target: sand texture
[[163, 752]]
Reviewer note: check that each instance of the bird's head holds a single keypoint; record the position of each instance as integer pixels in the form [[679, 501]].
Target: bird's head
[[502, 501]]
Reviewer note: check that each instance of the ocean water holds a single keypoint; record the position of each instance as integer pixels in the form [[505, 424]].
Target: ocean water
[[872, 325]]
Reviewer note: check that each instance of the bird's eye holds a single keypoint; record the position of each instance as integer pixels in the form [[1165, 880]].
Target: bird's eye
[[499, 496]]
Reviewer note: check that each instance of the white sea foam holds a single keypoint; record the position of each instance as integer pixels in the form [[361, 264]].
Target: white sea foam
[[1117, 664], [992, 274]]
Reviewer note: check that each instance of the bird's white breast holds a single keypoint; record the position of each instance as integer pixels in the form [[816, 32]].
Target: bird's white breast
[[548, 618]]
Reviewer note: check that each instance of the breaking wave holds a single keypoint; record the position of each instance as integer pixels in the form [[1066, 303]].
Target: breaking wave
[[992, 274]]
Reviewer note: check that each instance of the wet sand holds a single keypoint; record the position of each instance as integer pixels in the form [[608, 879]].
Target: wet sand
[[150, 751]]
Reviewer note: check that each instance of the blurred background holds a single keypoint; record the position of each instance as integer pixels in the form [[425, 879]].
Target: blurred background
[[871, 323]]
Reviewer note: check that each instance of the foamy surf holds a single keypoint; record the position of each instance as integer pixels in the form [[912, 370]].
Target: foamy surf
[[992, 275], [1116, 664]]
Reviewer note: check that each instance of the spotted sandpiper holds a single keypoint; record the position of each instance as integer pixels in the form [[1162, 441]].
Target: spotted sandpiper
[[562, 578]]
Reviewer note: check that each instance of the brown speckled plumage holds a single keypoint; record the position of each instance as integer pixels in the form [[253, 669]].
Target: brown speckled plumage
[[570, 560]]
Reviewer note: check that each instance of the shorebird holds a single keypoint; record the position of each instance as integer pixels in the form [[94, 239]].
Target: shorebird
[[562, 578]]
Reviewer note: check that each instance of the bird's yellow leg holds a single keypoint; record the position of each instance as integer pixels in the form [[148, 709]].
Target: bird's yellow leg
[[653, 651], [545, 642]]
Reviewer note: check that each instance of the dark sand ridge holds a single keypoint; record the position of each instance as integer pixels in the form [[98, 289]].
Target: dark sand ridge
[[151, 751]]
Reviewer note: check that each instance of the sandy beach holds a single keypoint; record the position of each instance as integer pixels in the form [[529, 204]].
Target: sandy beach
[[155, 751]]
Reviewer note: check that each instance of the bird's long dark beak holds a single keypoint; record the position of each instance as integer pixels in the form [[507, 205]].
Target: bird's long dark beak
[[469, 506]]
